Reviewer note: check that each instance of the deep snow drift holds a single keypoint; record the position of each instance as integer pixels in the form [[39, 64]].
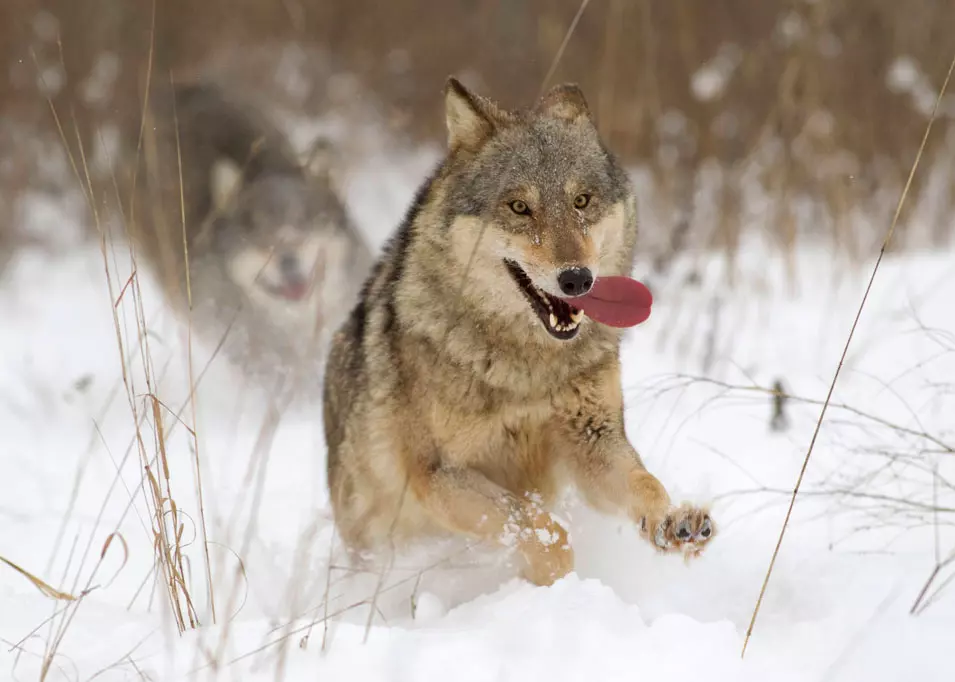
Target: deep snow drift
[[863, 541]]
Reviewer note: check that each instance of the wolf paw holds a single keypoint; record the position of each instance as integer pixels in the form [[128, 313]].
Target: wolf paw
[[686, 529], [548, 555]]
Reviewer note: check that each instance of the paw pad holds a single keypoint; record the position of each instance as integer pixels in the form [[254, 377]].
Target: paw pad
[[684, 529]]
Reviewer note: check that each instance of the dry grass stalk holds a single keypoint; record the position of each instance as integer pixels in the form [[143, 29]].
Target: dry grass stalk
[[835, 377], [810, 93], [38, 583]]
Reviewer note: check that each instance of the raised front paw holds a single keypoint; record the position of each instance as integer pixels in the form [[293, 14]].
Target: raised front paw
[[686, 529]]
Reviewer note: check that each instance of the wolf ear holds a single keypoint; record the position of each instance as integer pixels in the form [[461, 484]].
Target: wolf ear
[[324, 160], [470, 117], [566, 102], [224, 183]]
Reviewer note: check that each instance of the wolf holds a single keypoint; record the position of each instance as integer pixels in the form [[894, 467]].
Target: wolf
[[254, 245], [470, 386]]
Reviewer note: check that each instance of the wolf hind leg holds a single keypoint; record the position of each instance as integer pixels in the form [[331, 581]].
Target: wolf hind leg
[[465, 501]]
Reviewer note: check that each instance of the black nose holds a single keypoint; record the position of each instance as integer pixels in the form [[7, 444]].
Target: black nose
[[575, 281], [288, 263]]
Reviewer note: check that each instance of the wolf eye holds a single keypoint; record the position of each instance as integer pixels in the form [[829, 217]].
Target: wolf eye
[[519, 207], [581, 200]]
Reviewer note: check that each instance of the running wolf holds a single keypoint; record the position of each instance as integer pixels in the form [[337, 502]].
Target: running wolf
[[271, 249], [479, 372]]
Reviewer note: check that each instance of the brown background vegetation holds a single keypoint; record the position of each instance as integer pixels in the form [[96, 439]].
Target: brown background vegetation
[[807, 94]]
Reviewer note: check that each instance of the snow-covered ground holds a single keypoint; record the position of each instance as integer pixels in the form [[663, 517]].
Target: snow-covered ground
[[875, 517]]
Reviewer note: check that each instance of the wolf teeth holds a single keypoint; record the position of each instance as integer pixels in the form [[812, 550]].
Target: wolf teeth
[[553, 320], [557, 326]]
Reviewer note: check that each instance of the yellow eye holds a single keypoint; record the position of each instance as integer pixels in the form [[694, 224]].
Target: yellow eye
[[581, 200], [519, 207]]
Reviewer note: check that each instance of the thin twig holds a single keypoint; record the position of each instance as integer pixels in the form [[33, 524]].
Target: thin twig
[[845, 351], [563, 46], [192, 374], [875, 419]]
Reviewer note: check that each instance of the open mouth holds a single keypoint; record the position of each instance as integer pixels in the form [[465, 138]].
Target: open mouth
[[294, 290], [293, 282], [560, 319]]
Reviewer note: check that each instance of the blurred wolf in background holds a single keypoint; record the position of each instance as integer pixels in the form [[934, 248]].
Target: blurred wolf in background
[[275, 261], [479, 372]]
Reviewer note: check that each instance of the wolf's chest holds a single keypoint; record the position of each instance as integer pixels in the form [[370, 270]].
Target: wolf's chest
[[512, 446]]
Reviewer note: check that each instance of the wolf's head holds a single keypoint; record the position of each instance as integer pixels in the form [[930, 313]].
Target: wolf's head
[[537, 204], [277, 231]]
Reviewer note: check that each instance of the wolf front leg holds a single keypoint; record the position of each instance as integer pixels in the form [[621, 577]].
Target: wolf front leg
[[465, 501], [611, 475]]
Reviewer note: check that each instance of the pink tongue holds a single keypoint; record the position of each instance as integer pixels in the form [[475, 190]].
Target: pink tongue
[[296, 290], [616, 302]]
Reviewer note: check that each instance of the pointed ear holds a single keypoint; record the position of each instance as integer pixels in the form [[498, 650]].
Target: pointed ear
[[469, 117], [324, 160], [566, 102], [224, 183]]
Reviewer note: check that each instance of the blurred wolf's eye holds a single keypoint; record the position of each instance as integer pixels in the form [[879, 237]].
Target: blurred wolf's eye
[[519, 207], [581, 200]]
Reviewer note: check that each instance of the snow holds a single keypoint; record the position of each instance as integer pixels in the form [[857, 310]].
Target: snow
[[860, 546], [906, 77], [709, 82]]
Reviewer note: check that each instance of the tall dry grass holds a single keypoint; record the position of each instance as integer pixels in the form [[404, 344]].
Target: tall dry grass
[[807, 107], [818, 104]]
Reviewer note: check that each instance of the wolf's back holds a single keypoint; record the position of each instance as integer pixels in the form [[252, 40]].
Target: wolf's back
[[227, 127], [188, 129], [193, 126]]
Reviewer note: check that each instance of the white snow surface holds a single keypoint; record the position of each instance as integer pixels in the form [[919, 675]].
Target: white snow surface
[[861, 544]]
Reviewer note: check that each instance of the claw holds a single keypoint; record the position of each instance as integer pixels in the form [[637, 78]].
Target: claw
[[660, 537], [683, 530]]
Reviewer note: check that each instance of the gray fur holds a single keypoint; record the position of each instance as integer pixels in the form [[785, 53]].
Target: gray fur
[[448, 405], [236, 241]]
